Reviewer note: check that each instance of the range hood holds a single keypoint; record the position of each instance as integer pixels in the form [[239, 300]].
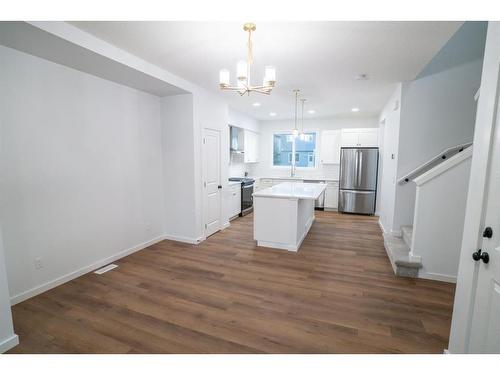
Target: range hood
[[236, 141]]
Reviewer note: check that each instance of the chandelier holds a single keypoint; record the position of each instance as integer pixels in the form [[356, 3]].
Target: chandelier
[[243, 85]]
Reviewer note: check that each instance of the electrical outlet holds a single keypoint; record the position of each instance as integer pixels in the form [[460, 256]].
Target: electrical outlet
[[38, 263]]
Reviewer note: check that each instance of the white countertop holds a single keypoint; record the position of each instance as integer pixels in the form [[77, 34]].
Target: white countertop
[[300, 178], [232, 183], [298, 190]]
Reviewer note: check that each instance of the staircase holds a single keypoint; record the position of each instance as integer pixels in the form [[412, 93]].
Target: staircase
[[398, 250], [430, 248]]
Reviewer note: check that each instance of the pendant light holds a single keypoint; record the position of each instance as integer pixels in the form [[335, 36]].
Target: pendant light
[[295, 131], [302, 135], [243, 85]]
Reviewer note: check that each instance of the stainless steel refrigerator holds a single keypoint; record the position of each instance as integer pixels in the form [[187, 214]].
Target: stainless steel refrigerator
[[358, 180]]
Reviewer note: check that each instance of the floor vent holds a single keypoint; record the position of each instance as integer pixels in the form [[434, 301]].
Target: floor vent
[[104, 269]]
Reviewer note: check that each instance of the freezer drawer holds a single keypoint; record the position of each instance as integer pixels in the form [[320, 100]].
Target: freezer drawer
[[359, 202]]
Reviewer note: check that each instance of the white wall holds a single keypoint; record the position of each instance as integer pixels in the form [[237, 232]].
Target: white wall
[[437, 233], [184, 118], [267, 128], [435, 112], [438, 112], [178, 160], [241, 120], [389, 134], [81, 171], [7, 337]]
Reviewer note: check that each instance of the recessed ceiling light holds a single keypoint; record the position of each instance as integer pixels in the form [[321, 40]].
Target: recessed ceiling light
[[256, 104], [311, 111], [272, 114], [361, 77], [355, 109]]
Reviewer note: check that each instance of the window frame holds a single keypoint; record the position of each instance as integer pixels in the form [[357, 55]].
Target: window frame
[[289, 132]]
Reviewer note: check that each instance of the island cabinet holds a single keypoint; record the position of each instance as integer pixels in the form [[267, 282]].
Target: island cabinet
[[330, 146], [332, 196], [284, 213], [359, 137]]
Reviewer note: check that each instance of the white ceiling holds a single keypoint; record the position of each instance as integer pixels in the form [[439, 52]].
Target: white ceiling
[[320, 58]]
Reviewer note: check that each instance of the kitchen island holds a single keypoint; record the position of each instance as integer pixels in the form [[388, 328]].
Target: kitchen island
[[284, 213]]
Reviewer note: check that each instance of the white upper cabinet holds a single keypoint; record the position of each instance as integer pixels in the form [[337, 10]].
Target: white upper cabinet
[[361, 137], [330, 146], [251, 147]]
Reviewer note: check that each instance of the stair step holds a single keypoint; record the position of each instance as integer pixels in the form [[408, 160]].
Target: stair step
[[407, 235], [399, 255]]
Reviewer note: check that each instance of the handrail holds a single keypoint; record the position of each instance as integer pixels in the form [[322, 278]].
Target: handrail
[[431, 163], [443, 167]]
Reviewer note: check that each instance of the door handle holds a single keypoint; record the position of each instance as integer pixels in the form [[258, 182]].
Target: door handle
[[488, 232], [480, 255], [219, 187], [360, 165]]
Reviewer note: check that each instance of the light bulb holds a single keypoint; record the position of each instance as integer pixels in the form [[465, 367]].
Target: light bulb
[[241, 70], [270, 76], [295, 132], [224, 78]]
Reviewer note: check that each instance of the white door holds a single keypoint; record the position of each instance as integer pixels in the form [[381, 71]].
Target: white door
[[212, 181], [485, 327]]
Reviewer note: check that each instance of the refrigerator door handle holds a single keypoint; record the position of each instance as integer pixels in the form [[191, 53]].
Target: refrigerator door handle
[[360, 168], [356, 163]]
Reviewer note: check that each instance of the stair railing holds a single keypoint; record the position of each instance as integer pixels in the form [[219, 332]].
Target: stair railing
[[431, 163]]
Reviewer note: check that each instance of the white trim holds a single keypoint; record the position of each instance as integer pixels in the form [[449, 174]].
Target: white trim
[[190, 240], [381, 226], [227, 224], [437, 276], [82, 271], [444, 166], [477, 94], [409, 176], [396, 233], [9, 343]]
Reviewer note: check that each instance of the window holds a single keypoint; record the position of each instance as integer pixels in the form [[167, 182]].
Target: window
[[285, 145]]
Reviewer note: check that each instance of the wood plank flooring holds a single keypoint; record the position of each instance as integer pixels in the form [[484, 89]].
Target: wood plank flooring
[[338, 294]]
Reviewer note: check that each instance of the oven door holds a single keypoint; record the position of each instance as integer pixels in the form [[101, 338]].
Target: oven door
[[246, 199]]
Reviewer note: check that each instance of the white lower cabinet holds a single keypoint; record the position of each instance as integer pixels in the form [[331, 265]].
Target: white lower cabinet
[[234, 200], [332, 196]]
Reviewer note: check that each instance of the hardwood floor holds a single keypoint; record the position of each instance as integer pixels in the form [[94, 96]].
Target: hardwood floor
[[338, 294]]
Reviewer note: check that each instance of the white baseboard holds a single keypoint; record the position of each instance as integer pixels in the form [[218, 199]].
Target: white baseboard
[[9, 343], [82, 271], [225, 225], [437, 276], [396, 233], [193, 241], [381, 226]]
